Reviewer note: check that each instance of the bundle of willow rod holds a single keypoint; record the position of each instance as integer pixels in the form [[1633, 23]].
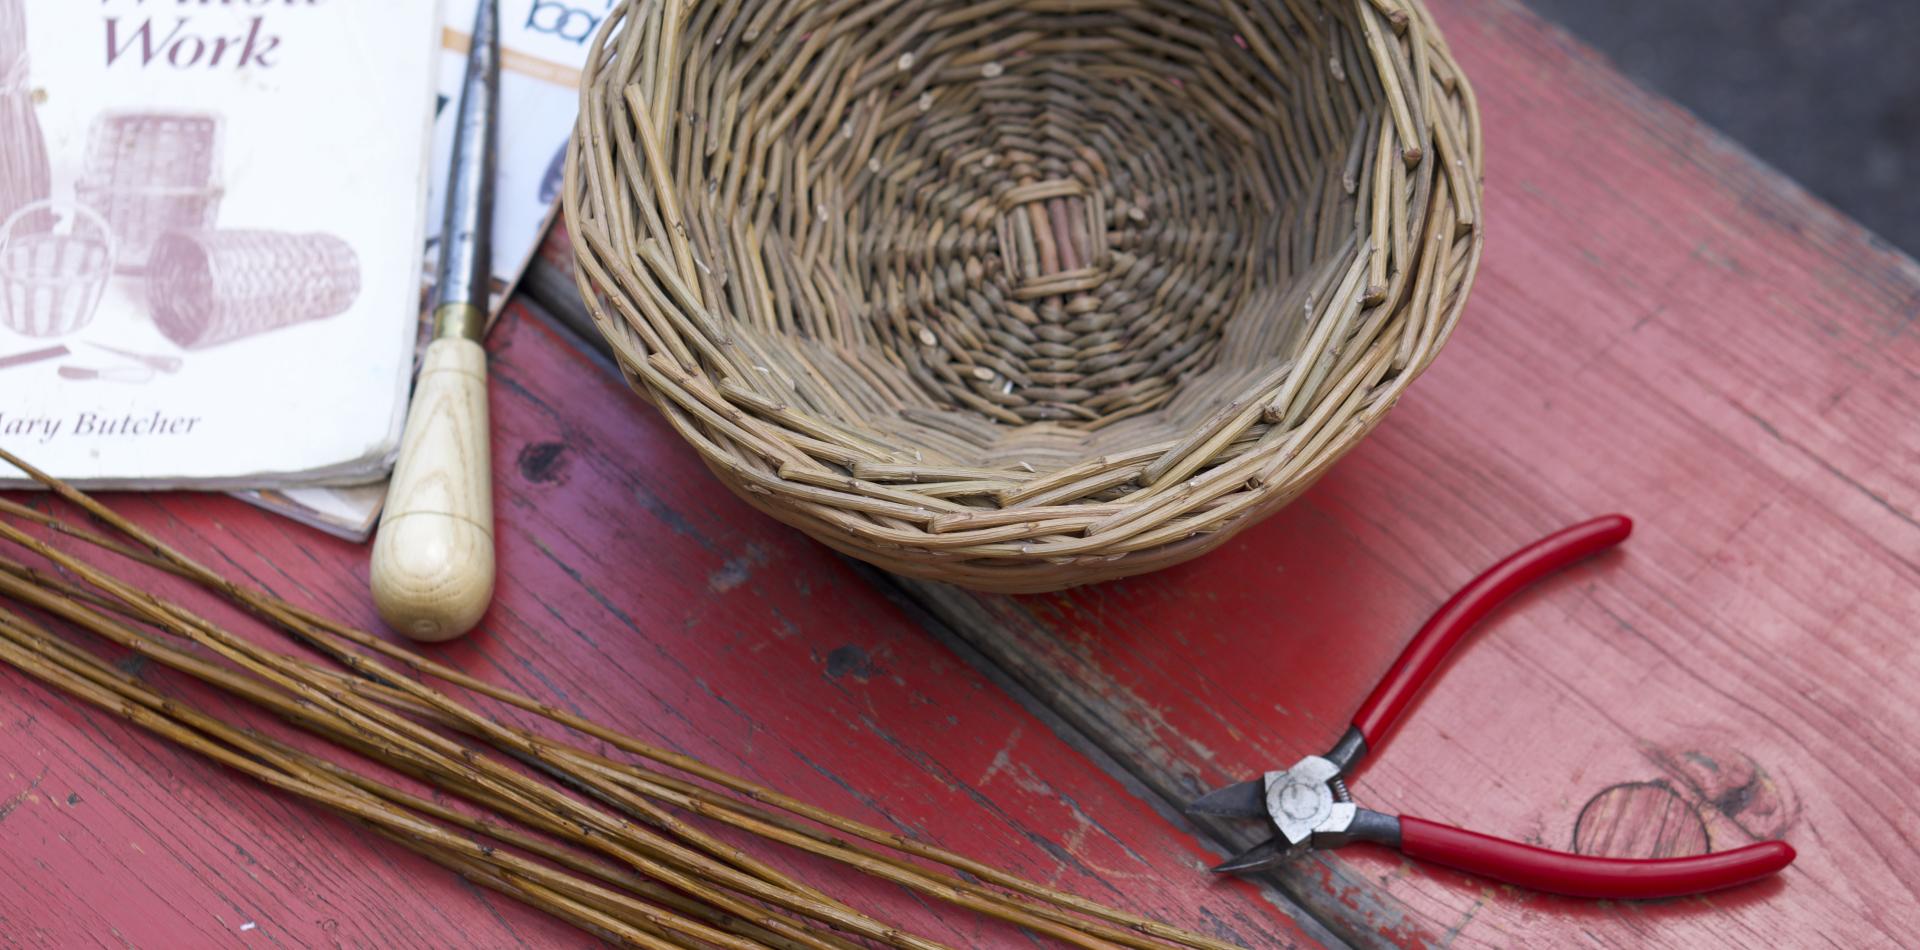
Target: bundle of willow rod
[[609, 844], [1022, 294]]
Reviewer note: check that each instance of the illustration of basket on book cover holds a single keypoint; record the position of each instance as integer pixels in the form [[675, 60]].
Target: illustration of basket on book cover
[[150, 173], [51, 280], [211, 287], [24, 173]]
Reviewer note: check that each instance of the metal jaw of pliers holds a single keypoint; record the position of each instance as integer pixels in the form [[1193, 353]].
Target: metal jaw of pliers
[[1310, 806]]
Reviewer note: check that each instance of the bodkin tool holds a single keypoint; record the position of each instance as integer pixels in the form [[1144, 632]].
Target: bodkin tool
[[433, 559]]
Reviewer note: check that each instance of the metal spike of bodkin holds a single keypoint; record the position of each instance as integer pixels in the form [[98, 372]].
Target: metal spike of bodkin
[[433, 568], [1308, 803]]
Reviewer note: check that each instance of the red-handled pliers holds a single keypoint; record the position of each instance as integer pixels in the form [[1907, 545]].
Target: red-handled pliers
[[1310, 805]]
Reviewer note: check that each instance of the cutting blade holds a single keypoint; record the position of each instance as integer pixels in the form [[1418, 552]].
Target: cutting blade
[[1246, 799], [1264, 856]]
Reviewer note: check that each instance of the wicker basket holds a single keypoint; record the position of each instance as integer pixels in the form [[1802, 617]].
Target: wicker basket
[[51, 280], [1024, 294], [212, 287], [150, 173]]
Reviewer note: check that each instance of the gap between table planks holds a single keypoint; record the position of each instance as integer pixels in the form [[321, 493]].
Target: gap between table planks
[[637, 592], [1662, 327]]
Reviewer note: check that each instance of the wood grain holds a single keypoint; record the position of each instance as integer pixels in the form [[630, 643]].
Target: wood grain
[[1661, 327], [433, 563], [636, 591]]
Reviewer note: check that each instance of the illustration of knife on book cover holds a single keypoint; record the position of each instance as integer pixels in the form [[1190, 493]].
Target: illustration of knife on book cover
[[210, 222]]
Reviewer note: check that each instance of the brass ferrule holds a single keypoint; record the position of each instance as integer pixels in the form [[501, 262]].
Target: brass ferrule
[[462, 321]]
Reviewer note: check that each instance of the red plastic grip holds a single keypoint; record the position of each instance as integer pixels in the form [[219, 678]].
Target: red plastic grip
[[1458, 615], [1582, 875]]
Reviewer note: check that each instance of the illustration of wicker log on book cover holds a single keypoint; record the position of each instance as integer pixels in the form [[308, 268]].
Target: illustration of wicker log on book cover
[[210, 222]]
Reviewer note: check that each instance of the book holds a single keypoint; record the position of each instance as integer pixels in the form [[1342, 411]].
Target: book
[[543, 47], [210, 240]]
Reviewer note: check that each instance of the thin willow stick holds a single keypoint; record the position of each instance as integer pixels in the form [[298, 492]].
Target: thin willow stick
[[1040, 918], [609, 834], [75, 662], [581, 914], [325, 634], [1037, 917], [157, 715], [530, 746], [273, 754], [317, 722], [304, 715], [407, 739]]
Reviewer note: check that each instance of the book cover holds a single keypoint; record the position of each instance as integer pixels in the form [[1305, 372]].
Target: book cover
[[210, 222]]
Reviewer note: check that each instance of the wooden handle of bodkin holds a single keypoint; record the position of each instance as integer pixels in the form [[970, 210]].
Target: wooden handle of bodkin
[[433, 559]]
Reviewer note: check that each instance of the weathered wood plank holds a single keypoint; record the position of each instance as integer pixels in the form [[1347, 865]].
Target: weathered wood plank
[[1662, 327], [635, 590]]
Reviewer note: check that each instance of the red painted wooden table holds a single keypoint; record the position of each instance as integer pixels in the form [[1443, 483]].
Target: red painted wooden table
[[1661, 327]]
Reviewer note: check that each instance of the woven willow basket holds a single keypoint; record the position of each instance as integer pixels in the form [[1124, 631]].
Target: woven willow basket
[[1022, 294]]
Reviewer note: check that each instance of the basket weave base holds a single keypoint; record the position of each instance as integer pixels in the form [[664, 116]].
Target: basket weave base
[[1024, 294]]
